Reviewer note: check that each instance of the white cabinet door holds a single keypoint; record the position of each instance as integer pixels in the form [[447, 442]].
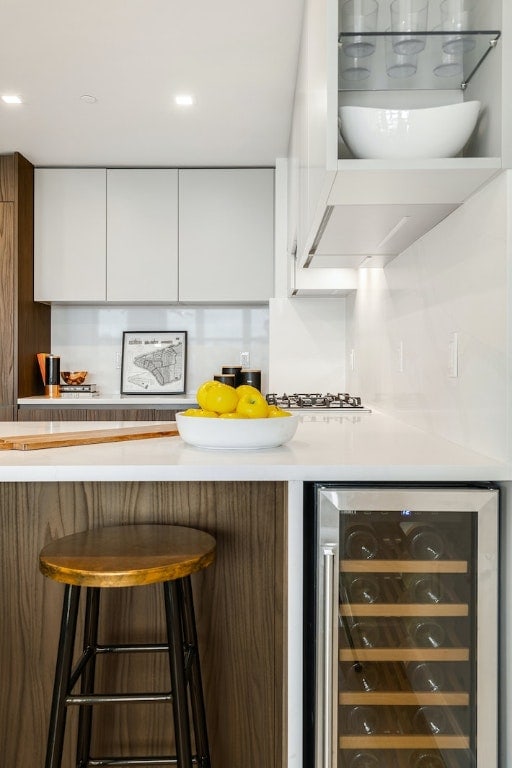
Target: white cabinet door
[[226, 235], [69, 234], [142, 235]]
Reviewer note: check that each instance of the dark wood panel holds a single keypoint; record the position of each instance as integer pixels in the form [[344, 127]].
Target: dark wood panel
[[27, 413], [239, 605], [69, 413], [34, 319], [6, 178], [7, 312], [8, 413]]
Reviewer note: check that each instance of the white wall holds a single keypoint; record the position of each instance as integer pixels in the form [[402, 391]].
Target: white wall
[[90, 338], [453, 280]]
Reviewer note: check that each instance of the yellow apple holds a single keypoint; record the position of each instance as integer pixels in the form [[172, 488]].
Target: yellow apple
[[203, 390], [275, 412], [246, 389], [200, 412], [221, 398], [252, 405]]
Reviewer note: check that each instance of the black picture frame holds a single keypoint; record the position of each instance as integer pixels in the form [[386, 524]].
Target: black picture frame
[[154, 363]]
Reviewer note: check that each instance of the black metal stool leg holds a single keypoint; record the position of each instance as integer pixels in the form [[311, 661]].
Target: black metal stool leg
[[87, 678], [194, 675], [62, 675], [178, 682]]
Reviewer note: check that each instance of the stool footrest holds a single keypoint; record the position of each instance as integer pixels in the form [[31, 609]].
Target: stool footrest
[[134, 648], [119, 698], [95, 762]]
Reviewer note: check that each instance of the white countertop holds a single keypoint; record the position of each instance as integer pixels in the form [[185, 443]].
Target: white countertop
[[355, 447]]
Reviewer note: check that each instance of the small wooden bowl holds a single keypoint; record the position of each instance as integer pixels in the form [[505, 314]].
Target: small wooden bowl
[[73, 377]]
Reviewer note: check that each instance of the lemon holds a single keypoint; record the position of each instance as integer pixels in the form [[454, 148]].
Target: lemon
[[222, 398], [230, 415], [200, 412]]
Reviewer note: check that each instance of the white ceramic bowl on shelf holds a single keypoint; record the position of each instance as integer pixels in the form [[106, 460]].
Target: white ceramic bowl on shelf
[[372, 133], [236, 434]]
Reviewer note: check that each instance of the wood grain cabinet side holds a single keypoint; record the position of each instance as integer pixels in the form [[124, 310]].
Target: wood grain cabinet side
[[24, 324], [239, 608]]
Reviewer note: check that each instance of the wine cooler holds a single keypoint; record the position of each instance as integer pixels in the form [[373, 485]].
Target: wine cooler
[[401, 627]]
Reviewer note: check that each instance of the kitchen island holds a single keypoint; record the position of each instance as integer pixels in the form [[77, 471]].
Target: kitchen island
[[248, 603]]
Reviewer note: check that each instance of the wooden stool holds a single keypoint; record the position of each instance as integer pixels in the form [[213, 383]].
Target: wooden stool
[[129, 556]]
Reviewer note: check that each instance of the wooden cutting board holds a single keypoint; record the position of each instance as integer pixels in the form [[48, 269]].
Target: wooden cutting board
[[85, 437]]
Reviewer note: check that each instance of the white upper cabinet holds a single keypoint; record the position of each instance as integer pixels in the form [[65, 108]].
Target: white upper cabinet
[[142, 235], [111, 235], [69, 234], [226, 235], [348, 209]]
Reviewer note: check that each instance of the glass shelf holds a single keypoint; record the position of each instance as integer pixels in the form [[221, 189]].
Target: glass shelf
[[448, 59]]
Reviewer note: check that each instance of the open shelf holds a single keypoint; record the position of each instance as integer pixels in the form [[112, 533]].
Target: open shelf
[[403, 566], [406, 609], [399, 741], [405, 698], [404, 654], [442, 64]]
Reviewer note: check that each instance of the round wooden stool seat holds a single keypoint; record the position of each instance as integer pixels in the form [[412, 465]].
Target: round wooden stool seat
[[127, 555]]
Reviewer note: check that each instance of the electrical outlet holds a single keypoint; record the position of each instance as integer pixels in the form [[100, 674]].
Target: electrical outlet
[[117, 363], [245, 359], [453, 355], [400, 357]]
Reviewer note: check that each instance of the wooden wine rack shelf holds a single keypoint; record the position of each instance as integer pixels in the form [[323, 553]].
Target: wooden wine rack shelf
[[404, 654], [404, 698], [403, 566], [400, 741], [409, 609]]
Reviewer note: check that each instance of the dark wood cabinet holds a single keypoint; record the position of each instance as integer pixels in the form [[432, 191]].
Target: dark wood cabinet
[[239, 606], [71, 413], [25, 326]]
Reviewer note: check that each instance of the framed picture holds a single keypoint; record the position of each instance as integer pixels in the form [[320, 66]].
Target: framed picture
[[154, 363]]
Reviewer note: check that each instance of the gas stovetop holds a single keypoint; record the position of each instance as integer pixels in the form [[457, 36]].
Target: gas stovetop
[[316, 401]]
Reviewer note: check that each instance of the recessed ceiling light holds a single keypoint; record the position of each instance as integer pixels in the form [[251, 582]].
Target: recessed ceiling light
[[88, 98], [11, 99], [184, 100]]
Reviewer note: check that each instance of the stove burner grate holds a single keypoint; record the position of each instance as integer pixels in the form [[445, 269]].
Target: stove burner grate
[[315, 400]]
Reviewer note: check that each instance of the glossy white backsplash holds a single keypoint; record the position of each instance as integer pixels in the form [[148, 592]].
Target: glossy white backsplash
[[402, 319], [90, 338]]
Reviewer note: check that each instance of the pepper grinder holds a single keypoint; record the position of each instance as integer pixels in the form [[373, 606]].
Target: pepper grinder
[[52, 376]]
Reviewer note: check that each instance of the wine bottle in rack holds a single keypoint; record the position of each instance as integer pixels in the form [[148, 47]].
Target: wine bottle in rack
[[430, 719], [424, 542], [360, 542], [426, 759], [363, 589], [364, 634], [425, 676], [425, 633], [365, 759], [362, 720], [361, 677], [423, 588]]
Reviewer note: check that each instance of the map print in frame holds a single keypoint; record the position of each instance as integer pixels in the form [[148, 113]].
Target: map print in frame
[[154, 362]]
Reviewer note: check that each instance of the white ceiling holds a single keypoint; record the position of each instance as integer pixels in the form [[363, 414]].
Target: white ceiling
[[238, 58]]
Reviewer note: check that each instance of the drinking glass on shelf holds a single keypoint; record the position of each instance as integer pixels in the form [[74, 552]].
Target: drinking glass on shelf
[[449, 63], [399, 65], [457, 16], [359, 16], [354, 68], [410, 18]]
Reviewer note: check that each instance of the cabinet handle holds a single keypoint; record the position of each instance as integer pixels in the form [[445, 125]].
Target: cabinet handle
[[330, 600]]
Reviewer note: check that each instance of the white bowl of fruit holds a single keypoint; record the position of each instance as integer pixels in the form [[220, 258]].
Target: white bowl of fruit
[[234, 419]]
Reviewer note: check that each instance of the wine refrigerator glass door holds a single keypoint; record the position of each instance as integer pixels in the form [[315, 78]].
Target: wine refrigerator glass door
[[406, 627]]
